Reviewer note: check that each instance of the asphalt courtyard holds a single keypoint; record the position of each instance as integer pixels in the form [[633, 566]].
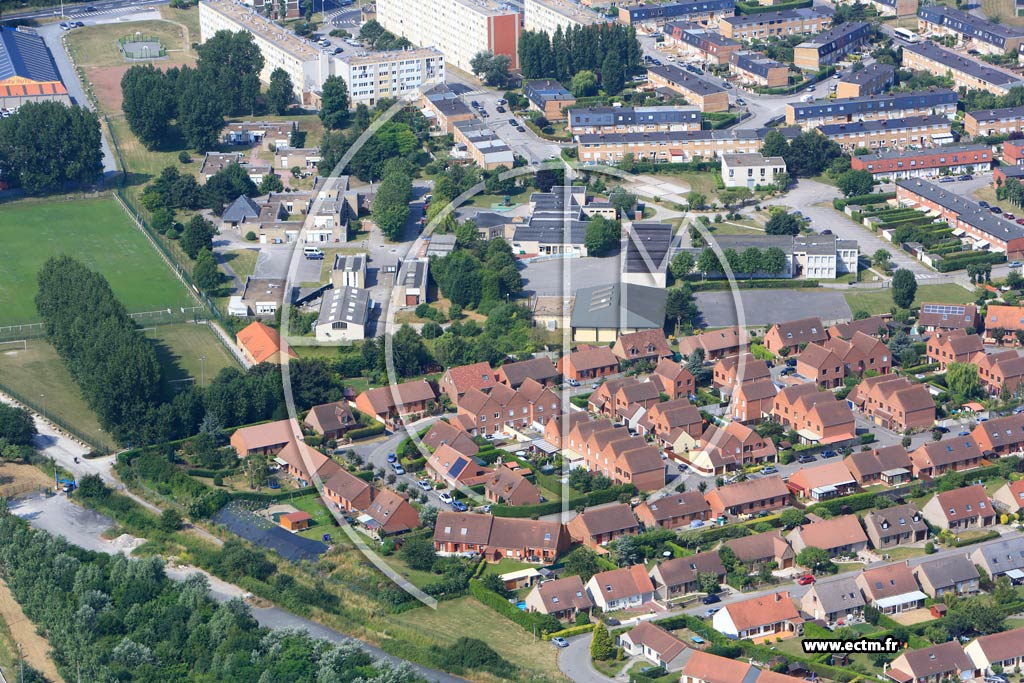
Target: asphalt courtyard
[[763, 307]]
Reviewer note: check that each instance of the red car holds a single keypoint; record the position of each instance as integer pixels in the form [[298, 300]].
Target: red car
[[806, 579]]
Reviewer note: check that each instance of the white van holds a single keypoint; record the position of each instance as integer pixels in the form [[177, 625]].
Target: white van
[[315, 253]]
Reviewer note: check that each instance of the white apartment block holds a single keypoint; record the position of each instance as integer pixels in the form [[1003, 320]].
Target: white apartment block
[[751, 170], [548, 15], [458, 28], [379, 75], [305, 63]]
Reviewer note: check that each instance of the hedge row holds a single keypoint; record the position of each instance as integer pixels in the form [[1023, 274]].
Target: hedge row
[[747, 8], [870, 198], [543, 623], [721, 285], [365, 432], [696, 166], [569, 632], [856, 503], [987, 536], [211, 474], [959, 262]]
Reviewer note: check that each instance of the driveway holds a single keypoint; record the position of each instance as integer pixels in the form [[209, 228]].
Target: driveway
[[575, 662], [765, 307]]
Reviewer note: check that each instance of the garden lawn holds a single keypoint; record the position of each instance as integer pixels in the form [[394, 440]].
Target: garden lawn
[[323, 522], [95, 231], [880, 301], [38, 375], [454, 619], [97, 45], [180, 346], [506, 565]]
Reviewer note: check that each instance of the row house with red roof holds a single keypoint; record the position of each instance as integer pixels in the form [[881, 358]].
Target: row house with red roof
[[955, 346], [504, 408], [614, 452], [894, 403], [1003, 370]]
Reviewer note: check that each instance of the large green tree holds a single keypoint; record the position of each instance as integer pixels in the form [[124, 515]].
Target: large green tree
[[233, 61], [391, 204], [334, 103], [492, 69], [962, 381], [603, 236], [149, 104], [197, 235], [904, 288], [46, 146], [227, 185], [782, 223], [854, 183], [280, 92]]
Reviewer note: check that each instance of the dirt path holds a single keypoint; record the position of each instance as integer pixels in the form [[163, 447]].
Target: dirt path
[[34, 647]]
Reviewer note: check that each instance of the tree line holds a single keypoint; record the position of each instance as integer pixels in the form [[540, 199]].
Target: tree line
[[808, 154], [402, 136], [610, 51], [224, 82], [46, 146], [391, 203], [111, 618]]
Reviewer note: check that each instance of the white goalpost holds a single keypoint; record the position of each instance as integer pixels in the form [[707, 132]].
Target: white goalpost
[[22, 342]]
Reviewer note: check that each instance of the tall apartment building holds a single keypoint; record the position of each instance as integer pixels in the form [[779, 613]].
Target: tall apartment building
[[307, 65], [933, 101], [379, 75], [756, 68], [458, 28], [698, 41], [994, 122], [831, 46], [915, 131], [699, 11], [549, 15], [790, 22], [966, 73], [973, 32]]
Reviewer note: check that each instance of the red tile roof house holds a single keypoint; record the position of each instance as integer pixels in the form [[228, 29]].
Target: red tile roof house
[[822, 482], [303, 463], [955, 346], [839, 536], [674, 380], [875, 326], [588, 362], [674, 510], [616, 395], [960, 509], [505, 409], [558, 428], [1004, 649], [791, 335], [599, 526], [442, 432], [388, 404], [946, 661], [715, 343], [888, 465], [721, 449], [1009, 319], [817, 416], [935, 458], [540, 369], [269, 437], [331, 420], [508, 487], [749, 497], [561, 598], [455, 469], [895, 403], [763, 548], [602, 399], [726, 372], [1002, 369], [766, 616], [496, 538], [390, 513], [642, 345], [945, 317], [818, 364], [613, 452], [631, 397], [1000, 435], [624, 588], [348, 492], [751, 401], [893, 526], [679, 576], [1010, 496], [458, 380], [669, 419], [656, 645], [862, 353], [707, 668], [892, 588]]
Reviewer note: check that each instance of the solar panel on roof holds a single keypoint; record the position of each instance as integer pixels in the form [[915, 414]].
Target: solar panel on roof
[[943, 309], [457, 468]]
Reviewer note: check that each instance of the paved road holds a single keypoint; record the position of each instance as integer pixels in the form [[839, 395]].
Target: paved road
[[575, 662]]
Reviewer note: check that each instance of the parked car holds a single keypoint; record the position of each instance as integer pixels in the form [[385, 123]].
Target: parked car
[[500, 109], [424, 484], [995, 209], [446, 498], [771, 469], [392, 457], [947, 179], [711, 599], [741, 102], [727, 85], [459, 506], [806, 458], [559, 641], [1009, 217], [513, 122], [595, 386], [805, 580], [941, 430], [474, 104], [573, 382], [64, 26], [828, 454], [787, 371], [983, 204], [791, 362], [711, 612], [398, 468], [966, 176], [520, 129], [1016, 264]]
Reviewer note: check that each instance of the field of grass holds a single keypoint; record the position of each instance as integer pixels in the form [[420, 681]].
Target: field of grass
[[880, 301], [38, 375], [179, 348], [1003, 10], [97, 45], [242, 261], [95, 231], [466, 617]]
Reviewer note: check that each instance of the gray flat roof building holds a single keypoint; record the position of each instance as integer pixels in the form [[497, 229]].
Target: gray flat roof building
[[955, 62], [968, 211], [675, 10], [976, 28], [754, 62], [632, 116], [619, 306], [647, 247], [874, 125], [800, 14], [856, 106], [349, 305], [685, 79]]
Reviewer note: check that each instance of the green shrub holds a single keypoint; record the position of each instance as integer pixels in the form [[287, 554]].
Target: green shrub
[[365, 432], [543, 623]]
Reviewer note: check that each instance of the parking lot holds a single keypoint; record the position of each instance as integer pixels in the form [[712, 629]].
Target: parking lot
[[765, 307]]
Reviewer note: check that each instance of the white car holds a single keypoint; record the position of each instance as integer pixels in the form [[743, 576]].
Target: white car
[[446, 498], [424, 484]]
